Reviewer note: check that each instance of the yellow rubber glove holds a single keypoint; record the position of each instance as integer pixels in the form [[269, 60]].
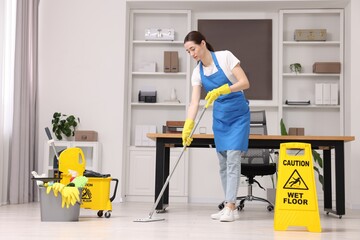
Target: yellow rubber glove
[[48, 189], [70, 195], [188, 127], [57, 187], [215, 93]]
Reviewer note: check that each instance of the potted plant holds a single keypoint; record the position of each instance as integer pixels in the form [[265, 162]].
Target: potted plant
[[295, 67], [64, 125]]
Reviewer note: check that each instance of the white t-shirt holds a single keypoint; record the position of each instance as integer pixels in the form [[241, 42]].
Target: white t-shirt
[[227, 62]]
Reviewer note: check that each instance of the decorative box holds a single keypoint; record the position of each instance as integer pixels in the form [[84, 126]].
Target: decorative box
[[310, 35], [147, 96], [86, 136], [326, 67], [297, 131], [160, 34]]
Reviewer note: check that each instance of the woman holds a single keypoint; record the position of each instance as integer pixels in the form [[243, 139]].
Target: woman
[[224, 80]]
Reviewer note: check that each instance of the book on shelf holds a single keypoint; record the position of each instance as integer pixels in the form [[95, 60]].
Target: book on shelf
[[173, 127]]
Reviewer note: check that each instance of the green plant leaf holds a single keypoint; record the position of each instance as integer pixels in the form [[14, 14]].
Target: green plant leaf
[[63, 124], [317, 158], [320, 177], [283, 128]]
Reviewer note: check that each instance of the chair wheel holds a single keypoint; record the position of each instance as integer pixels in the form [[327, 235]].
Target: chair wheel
[[241, 206], [270, 208], [221, 206]]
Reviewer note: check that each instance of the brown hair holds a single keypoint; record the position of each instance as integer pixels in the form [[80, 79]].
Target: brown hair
[[197, 37]]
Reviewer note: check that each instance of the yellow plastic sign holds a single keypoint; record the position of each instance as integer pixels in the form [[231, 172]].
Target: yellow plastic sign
[[296, 200]]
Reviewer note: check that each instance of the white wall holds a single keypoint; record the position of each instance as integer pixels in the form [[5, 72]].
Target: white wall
[[352, 107], [82, 71]]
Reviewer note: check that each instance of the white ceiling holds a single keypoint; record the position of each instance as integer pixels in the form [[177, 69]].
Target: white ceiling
[[238, 5]]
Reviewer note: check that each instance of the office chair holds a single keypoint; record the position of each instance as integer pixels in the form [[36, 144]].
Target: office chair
[[256, 162]]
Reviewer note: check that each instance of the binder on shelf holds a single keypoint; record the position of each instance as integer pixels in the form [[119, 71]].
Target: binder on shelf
[[167, 61], [334, 95], [171, 61], [174, 62], [318, 93], [326, 94]]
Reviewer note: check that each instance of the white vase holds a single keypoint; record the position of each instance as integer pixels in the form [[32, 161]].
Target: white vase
[[173, 96]]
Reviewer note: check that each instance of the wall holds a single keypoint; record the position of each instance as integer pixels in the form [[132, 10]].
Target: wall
[[352, 106], [82, 71]]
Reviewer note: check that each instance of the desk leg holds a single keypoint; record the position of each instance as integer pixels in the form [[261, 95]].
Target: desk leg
[[166, 174], [327, 180], [340, 179], [161, 172]]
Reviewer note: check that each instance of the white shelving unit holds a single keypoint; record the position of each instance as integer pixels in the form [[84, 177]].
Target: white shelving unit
[[141, 160], [316, 119], [91, 152]]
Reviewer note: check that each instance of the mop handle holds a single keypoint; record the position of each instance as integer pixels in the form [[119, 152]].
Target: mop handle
[[51, 141], [173, 169]]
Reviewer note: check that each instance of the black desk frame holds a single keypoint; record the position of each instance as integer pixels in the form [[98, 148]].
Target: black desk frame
[[163, 145]]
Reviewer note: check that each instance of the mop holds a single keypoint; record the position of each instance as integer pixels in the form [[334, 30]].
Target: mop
[[150, 218]]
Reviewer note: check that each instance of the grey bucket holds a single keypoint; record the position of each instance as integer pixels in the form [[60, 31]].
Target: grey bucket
[[51, 210]]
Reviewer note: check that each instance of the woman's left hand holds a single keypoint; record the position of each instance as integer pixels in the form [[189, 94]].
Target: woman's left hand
[[215, 93]]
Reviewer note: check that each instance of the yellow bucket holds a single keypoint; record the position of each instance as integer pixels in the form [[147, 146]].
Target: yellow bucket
[[96, 195]]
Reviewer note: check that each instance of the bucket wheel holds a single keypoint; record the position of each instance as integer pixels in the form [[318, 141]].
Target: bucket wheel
[[108, 214], [100, 213]]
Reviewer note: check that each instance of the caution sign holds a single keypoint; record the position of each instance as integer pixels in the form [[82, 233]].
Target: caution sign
[[296, 199], [86, 195], [295, 182]]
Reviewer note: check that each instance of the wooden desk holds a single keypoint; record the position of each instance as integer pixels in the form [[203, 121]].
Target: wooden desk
[[325, 143]]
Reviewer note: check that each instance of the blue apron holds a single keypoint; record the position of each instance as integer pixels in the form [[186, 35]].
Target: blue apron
[[231, 114]]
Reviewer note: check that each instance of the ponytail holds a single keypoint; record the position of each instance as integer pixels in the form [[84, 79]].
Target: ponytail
[[209, 47]]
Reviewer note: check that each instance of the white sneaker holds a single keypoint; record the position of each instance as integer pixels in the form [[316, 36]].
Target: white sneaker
[[216, 216], [236, 214], [229, 215]]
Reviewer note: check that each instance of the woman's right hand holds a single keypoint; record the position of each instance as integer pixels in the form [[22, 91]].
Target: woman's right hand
[[188, 127]]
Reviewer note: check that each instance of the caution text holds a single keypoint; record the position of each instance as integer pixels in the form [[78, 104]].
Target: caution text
[[296, 163]]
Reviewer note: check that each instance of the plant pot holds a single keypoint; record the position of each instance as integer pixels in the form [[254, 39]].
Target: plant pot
[[271, 195]]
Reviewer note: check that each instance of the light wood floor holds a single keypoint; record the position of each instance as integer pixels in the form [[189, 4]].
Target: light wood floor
[[182, 221]]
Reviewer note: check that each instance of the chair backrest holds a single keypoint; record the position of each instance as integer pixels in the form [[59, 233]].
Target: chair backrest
[[257, 126]]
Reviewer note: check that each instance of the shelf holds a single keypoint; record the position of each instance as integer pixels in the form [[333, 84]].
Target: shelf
[[162, 104], [158, 42], [311, 43], [311, 75], [312, 106], [261, 103], [141, 148], [160, 73]]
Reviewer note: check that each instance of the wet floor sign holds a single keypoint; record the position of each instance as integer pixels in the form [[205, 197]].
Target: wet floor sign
[[296, 200]]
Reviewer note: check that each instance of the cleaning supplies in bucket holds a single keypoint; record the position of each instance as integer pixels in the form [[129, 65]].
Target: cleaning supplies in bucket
[[70, 193]]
